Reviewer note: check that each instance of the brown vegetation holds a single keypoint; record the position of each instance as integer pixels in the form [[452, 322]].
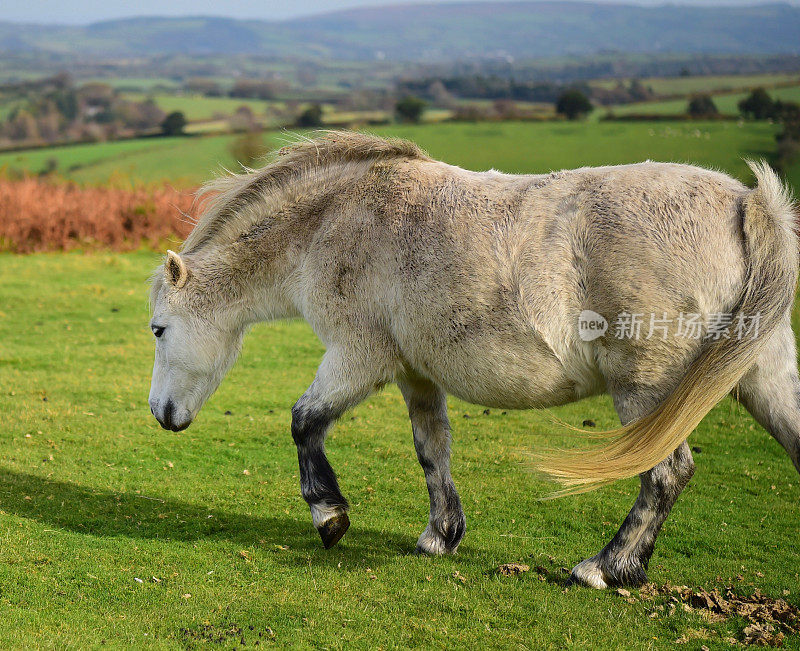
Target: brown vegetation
[[39, 215]]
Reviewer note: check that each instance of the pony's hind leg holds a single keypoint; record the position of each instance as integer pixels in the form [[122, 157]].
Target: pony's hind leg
[[427, 408], [624, 560], [771, 391], [342, 381]]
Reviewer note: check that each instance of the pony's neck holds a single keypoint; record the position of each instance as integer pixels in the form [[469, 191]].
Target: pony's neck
[[261, 268]]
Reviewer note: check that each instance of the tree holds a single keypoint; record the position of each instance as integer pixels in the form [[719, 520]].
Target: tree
[[249, 148], [97, 96], [788, 113], [66, 100], [701, 106], [203, 86], [573, 104], [310, 117], [758, 105], [139, 116], [173, 124], [49, 125], [243, 119], [258, 88], [409, 109], [638, 92], [506, 109]]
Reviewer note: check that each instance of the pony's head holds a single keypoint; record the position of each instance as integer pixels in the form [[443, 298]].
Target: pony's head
[[198, 338]]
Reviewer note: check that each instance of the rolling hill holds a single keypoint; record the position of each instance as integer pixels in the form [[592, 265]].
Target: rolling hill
[[434, 32]]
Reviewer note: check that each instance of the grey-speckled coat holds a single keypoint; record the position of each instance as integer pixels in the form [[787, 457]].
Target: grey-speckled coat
[[445, 280]]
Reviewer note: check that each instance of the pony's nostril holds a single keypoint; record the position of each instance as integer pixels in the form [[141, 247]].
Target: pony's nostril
[[169, 409]]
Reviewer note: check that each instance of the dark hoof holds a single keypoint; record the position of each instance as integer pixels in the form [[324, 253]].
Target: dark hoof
[[331, 531]]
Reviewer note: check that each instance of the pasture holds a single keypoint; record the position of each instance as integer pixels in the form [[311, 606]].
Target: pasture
[[117, 532], [707, 83], [95, 495], [726, 103], [538, 147], [199, 107], [211, 114]]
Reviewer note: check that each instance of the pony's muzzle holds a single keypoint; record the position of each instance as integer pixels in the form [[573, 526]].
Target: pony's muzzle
[[168, 417]]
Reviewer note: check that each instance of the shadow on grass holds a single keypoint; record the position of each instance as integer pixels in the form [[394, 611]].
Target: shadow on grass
[[67, 506]]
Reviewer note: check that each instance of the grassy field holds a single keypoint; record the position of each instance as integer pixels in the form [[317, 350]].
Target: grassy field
[[727, 103], [541, 147], [182, 161], [706, 84], [537, 147], [140, 84], [116, 532], [199, 107], [204, 113]]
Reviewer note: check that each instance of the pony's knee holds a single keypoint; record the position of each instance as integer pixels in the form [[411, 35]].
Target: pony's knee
[[308, 422]]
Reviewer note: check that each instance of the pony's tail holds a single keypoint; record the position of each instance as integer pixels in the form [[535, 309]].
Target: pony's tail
[[772, 263]]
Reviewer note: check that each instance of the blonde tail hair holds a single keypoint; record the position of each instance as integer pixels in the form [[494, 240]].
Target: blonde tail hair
[[772, 260]]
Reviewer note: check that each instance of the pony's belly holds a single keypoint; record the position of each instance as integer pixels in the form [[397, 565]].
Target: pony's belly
[[509, 397], [511, 378]]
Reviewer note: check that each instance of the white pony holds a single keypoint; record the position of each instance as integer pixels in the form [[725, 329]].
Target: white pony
[[444, 280]]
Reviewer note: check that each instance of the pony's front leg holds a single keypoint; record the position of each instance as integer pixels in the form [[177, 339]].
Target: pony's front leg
[[342, 381], [427, 408]]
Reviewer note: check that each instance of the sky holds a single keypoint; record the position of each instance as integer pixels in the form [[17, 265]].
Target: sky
[[81, 12]]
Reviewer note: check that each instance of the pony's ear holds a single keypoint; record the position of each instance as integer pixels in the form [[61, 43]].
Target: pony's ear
[[175, 270]]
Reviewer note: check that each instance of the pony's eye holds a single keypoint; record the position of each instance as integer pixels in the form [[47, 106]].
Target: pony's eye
[[157, 330]]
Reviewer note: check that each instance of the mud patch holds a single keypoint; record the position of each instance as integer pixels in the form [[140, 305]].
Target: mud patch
[[769, 620]]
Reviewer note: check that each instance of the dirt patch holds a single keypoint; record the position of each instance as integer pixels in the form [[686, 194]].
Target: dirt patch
[[227, 630], [513, 569], [769, 620]]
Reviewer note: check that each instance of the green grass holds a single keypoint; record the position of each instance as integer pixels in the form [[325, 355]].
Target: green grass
[[705, 84], [140, 84], [93, 495], [207, 110], [183, 161], [540, 147], [510, 146], [727, 103], [199, 107]]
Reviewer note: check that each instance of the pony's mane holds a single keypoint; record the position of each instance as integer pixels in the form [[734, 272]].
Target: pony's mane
[[223, 198]]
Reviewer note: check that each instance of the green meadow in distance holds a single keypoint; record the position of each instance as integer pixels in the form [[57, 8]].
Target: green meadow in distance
[[515, 147]]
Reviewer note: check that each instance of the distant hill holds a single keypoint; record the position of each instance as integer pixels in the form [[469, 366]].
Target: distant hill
[[435, 32]]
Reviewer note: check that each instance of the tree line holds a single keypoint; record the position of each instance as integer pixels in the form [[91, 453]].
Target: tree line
[[57, 110]]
